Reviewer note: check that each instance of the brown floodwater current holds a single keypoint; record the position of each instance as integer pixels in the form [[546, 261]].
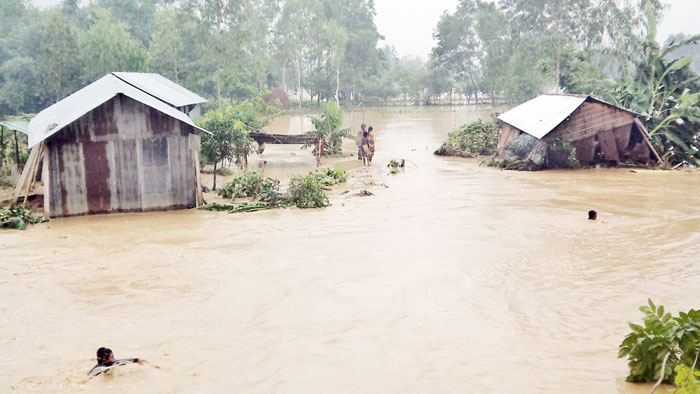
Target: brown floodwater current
[[452, 278]]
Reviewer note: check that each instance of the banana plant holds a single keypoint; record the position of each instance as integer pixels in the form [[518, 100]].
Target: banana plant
[[328, 126]]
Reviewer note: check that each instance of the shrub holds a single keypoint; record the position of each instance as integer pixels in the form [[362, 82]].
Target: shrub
[[471, 140], [245, 184], [17, 217], [307, 192], [662, 334], [330, 176]]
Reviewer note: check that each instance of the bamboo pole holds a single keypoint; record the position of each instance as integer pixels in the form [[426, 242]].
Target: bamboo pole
[[645, 134]]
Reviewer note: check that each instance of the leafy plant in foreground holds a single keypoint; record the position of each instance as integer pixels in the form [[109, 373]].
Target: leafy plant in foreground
[[17, 217], [676, 339]]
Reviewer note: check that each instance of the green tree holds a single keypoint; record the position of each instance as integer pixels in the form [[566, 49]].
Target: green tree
[[137, 15], [108, 47], [166, 45], [59, 56], [667, 93], [457, 47]]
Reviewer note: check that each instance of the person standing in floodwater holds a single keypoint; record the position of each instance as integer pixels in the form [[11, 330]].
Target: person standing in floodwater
[[370, 144], [364, 148], [358, 141]]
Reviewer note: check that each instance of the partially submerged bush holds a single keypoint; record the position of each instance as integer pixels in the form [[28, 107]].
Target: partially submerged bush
[[17, 217], [234, 207], [307, 192], [472, 140], [676, 339], [245, 185], [330, 176]]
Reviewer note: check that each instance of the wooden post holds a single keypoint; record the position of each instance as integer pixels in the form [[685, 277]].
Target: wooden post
[[319, 149], [37, 160], [645, 134], [16, 150], [194, 146], [46, 180], [26, 172], [260, 178]]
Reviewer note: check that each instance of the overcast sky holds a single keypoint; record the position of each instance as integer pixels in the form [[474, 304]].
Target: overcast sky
[[408, 24]]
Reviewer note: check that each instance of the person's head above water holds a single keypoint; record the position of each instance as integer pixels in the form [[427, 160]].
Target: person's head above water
[[592, 215], [104, 354]]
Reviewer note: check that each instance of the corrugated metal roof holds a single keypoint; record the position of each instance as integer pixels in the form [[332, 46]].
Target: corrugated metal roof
[[161, 87], [49, 121], [542, 114], [22, 127]]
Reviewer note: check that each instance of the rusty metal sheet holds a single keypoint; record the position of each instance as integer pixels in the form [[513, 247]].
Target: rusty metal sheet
[[155, 183], [127, 176], [97, 176]]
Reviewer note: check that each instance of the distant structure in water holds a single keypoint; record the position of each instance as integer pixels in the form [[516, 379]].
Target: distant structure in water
[[125, 143], [554, 130]]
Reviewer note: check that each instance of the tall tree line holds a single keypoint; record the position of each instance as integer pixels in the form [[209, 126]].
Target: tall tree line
[[223, 49], [516, 49]]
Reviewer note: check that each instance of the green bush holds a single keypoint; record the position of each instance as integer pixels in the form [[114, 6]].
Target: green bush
[[306, 192], [330, 176], [662, 334], [472, 140], [17, 217], [245, 184]]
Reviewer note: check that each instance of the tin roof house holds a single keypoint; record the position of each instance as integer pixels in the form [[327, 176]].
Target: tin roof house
[[554, 130], [125, 143]]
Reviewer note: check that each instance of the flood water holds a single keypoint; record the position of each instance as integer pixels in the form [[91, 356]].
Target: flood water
[[452, 278]]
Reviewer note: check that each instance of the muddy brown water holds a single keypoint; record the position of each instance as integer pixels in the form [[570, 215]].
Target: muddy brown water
[[452, 278]]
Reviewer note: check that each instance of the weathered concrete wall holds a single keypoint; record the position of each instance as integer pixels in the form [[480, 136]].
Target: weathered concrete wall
[[123, 156]]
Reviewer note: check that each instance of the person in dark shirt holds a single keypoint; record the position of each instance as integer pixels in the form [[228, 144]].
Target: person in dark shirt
[[105, 361]]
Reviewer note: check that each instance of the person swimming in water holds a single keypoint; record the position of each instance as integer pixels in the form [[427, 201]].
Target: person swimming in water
[[592, 215], [106, 361]]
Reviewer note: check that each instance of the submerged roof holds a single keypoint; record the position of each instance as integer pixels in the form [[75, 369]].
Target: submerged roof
[[49, 121], [22, 127], [161, 88], [544, 113]]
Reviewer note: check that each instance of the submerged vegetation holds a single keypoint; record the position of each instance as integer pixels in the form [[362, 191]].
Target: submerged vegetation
[[472, 140], [664, 342], [330, 176], [303, 191], [17, 217], [252, 183]]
